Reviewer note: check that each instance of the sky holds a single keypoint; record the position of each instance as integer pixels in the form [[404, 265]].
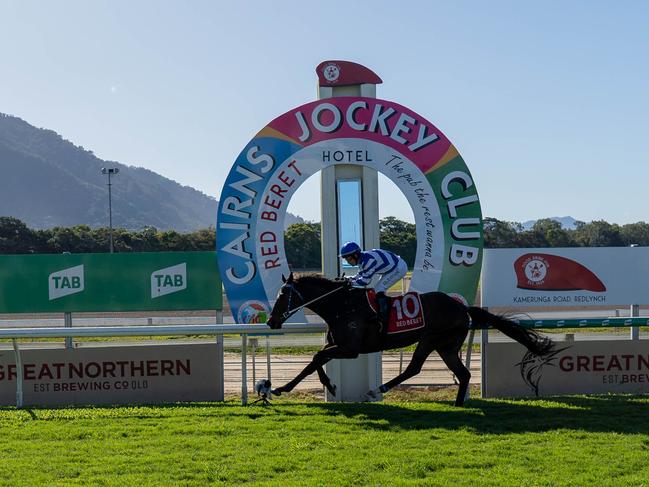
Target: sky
[[547, 102]]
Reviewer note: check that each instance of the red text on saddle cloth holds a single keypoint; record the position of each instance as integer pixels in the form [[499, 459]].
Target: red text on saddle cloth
[[405, 314]]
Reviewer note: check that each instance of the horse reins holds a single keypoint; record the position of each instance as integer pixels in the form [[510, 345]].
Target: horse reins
[[290, 312]]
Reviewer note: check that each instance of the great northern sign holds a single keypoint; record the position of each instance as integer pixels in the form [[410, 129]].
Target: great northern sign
[[114, 374]]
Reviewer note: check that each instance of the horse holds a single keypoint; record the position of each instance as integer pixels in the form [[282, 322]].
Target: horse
[[353, 329]]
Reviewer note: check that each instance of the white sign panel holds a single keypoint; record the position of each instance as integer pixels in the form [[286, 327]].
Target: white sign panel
[[65, 282], [554, 277], [588, 367], [168, 280]]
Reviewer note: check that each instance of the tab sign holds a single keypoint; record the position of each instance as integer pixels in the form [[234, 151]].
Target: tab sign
[[168, 280], [66, 282]]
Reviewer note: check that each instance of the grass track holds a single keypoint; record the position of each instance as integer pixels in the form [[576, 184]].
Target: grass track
[[407, 440]]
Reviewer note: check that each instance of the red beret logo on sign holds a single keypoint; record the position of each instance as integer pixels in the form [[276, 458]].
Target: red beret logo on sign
[[546, 272], [345, 73], [331, 72], [535, 268]]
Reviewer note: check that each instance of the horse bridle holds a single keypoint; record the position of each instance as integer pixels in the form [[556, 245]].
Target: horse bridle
[[290, 312], [292, 289]]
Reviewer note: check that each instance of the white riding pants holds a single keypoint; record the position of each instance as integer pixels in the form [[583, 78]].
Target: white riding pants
[[390, 278]]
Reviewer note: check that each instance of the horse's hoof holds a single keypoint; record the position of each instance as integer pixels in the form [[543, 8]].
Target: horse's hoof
[[276, 392], [372, 395]]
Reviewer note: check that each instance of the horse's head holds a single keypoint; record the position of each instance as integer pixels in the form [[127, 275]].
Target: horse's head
[[288, 299]]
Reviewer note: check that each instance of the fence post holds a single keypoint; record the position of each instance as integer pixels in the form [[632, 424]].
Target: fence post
[[468, 360], [221, 378], [19, 375], [67, 322], [244, 369], [634, 311], [484, 340], [268, 357], [253, 345], [483, 360]]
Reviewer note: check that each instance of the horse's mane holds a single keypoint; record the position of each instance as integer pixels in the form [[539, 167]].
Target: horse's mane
[[314, 278]]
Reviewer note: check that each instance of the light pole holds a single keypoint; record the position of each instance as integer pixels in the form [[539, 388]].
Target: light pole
[[110, 171]]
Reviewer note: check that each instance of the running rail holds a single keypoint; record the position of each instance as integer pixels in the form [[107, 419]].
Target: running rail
[[259, 330], [612, 322], [159, 330]]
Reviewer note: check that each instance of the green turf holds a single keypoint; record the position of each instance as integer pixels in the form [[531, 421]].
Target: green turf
[[580, 440]]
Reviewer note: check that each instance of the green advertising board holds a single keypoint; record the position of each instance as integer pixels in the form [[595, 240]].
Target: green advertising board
[[109, 282]]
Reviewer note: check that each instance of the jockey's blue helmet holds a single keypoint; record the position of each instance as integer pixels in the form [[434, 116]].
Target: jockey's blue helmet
[[350, 248]]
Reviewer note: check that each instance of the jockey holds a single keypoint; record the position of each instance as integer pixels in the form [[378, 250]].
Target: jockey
[[388, 265]]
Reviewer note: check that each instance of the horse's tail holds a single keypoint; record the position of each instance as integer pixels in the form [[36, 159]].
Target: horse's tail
[[534, 342]]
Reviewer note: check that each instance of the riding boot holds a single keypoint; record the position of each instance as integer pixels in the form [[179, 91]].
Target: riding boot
[[382, 315]]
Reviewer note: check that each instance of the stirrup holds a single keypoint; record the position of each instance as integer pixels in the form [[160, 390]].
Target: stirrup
[[382, 324]]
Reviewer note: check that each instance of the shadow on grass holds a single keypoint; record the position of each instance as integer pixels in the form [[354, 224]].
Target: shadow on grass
[[610, 414], [606, 414]]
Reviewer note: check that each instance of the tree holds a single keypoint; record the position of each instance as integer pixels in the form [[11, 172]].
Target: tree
[[399, 237], [302, 246], [598, 234], [635, 234], [552, 234], [171, 240], [63, 239], [500, 234], [84, 239], [145, 240], [203, 239], [15, 237], [302, 240]]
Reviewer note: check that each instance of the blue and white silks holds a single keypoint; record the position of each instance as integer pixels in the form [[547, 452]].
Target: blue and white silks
[[384, 263]]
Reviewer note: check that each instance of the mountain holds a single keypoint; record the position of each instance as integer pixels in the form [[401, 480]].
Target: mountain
[[567, 222], [47, 181]]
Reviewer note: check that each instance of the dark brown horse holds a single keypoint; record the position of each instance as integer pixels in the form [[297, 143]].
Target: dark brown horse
[[353, 329]]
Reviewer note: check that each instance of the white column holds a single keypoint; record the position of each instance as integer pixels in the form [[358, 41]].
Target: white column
[[353, 378]]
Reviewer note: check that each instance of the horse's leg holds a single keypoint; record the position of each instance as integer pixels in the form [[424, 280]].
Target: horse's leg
[[319, 359], [315, 363], [326, 381], [421, 353], [452, 360], [322, 375]]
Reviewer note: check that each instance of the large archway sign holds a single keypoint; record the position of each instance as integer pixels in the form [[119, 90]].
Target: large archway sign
[[380, 134]]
